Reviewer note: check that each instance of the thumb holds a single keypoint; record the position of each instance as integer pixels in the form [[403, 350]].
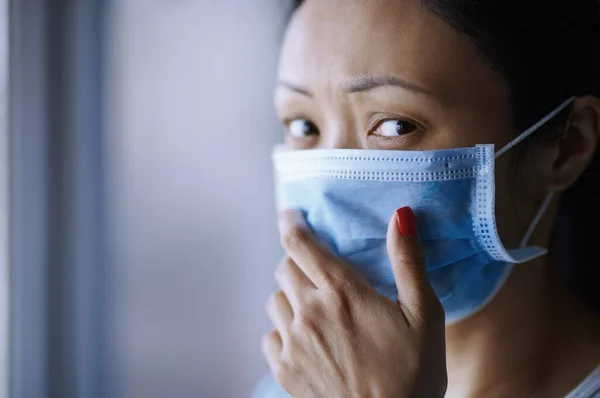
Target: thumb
[[408, 263]]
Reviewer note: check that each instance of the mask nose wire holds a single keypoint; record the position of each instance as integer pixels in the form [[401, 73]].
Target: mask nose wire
[[533, 128]]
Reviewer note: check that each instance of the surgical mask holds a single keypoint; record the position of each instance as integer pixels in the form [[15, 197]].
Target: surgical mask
[[348, 197]]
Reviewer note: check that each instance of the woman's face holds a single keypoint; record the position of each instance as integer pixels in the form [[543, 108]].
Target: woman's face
[[388, 74], [385, 75]]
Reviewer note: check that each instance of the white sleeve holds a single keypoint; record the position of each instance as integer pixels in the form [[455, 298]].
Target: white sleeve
[[589, 388], [267, 387]]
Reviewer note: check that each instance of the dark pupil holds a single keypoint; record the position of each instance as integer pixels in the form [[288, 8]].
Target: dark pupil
[[404, 127], [309, 128]]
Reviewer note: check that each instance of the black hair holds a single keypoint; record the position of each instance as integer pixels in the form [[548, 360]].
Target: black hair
[[546, 52]]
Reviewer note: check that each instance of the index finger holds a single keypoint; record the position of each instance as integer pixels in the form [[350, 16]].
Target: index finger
[[317, 263]]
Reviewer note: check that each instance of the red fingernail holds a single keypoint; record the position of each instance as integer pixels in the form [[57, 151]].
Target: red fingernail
[[406, 222]]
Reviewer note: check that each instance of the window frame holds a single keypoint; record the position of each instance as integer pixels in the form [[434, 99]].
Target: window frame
[[59, 333]]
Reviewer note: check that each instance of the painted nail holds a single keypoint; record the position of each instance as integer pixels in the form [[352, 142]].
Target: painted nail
[[406, 222]]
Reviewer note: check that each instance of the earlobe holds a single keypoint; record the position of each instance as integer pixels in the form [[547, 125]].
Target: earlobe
[[577, 146]]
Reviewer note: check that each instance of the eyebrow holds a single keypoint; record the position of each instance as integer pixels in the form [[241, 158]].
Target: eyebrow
[[366, 83], [361, 84], [294, 88]]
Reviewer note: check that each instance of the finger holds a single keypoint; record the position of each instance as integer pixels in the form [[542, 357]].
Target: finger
[[280, 312], [408, 263], [316, 262], [294, 283], [271, 348]]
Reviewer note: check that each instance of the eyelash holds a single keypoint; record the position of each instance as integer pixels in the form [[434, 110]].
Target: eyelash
[[377, 119], [288, 121], [374, 121]]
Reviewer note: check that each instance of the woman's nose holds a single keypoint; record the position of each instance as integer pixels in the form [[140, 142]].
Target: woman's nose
[[340, 139]]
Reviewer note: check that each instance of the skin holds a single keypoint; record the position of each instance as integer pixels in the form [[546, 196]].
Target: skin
[[535, 338], [336, 336]]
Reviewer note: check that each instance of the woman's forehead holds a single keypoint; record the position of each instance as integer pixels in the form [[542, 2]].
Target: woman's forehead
[[329, 42]]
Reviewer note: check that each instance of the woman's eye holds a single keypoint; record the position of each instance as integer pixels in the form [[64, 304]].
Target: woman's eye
[[394, 128], [300, 128]]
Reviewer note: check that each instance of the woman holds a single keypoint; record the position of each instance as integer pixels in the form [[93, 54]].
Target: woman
[[440, 200]]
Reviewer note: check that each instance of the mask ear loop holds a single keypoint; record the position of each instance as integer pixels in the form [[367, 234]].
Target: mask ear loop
[[533, 128], [542, 210], [536, 219]]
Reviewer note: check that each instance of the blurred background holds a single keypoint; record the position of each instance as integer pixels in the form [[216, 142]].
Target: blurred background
[[137, 225]]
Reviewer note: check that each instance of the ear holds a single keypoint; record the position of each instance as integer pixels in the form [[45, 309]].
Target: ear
[[573, 152]]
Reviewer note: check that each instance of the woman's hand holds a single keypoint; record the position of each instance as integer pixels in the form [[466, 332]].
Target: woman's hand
[[335, 336]]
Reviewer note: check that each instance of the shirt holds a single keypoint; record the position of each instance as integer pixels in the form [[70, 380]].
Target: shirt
[[267, 387]]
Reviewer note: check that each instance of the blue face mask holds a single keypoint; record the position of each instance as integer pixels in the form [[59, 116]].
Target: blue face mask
[[349, 195]]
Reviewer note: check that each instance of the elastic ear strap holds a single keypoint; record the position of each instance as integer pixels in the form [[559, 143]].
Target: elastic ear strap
[[533, 128], [537, 218]]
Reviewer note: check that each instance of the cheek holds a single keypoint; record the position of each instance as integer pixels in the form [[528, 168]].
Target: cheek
[[509, 204], [518, 199]]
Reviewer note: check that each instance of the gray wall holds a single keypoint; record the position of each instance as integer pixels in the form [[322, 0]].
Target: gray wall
[[4, 184], [192, 223]]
